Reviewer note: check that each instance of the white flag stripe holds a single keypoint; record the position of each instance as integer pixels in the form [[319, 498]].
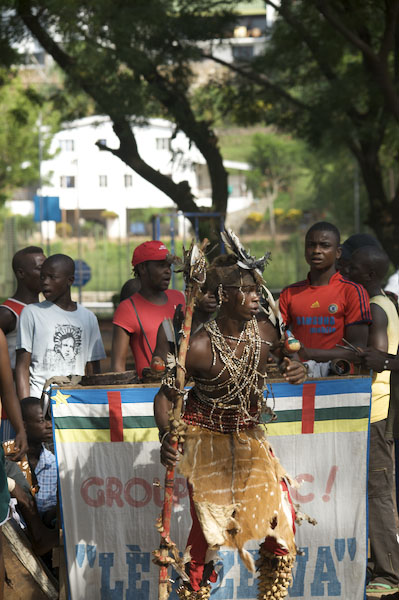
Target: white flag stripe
[[129, 409], [333, 400]]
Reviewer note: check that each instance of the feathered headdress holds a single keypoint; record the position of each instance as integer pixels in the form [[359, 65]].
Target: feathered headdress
[[246, 261]]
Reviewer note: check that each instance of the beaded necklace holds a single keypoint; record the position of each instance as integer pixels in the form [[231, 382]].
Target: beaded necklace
[[232, 407]]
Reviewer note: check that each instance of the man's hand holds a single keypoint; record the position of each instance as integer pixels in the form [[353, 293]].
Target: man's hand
[[20, 447], [293, 370], [374, 359], [169, 456]]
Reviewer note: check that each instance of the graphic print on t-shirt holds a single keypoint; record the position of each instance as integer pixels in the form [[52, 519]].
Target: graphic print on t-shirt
[[67, 346]]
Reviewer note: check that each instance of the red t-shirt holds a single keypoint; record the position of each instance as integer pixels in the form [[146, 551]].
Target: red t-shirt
[[318, 315], [151, 316]]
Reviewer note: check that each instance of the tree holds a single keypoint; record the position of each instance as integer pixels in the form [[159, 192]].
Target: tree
[[19, 145], [276, 167], [330, 75], [133, 59]]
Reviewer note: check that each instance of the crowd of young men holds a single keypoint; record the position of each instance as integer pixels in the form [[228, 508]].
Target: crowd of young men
[[227, 360]]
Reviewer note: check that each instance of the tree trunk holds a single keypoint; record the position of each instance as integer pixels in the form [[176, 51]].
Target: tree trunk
[[383, 215]]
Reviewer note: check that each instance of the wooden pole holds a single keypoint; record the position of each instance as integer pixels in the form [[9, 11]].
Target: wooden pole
[[192, 289]]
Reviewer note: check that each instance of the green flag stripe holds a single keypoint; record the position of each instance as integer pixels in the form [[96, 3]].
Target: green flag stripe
[[323, 414], [144, 422], [141, 422]]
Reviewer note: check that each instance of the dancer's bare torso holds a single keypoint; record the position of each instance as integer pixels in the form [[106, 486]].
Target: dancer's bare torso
[[204, 364]]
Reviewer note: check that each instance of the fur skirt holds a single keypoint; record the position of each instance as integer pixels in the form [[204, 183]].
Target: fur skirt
[[237, 489]]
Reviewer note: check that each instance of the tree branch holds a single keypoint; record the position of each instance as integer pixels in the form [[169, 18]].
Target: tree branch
[[129, 154], [260, 79], [391, 24], [167, 91], [379, 68], [356, 41], [128, 151], [313, 48], [305, 37]]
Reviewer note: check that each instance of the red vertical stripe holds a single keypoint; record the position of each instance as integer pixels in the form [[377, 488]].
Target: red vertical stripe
[[115, 416], [308, 398]]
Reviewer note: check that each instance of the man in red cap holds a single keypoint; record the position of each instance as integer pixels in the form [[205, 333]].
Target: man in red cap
[[136, 320]]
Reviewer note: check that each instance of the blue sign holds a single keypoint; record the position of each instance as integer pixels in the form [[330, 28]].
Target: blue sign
[[82, 273], [47, 208]]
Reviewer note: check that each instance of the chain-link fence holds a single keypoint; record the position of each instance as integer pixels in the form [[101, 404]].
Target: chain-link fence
[[110, 260]]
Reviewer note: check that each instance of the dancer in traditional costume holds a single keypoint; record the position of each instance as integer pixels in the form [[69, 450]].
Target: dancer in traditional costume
[[237, 486]]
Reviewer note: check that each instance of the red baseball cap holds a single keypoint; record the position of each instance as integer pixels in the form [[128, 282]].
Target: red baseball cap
[[153, 250]]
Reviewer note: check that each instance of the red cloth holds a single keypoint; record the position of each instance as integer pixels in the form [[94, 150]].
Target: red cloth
[[15, 306], [318, 315], [151, 316], [198, 550]]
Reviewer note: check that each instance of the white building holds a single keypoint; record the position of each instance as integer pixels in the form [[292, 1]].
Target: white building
[[89, 181]]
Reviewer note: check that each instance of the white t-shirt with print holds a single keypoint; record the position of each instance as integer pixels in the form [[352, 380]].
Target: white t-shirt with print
[[61, 342]]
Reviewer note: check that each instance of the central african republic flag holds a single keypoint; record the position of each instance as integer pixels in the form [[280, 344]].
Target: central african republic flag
[[107, 452]]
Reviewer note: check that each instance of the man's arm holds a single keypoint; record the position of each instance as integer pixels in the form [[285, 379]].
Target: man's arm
[[7, 320], [379, 361], [357, 335], [93, 367], [378, 335], [10, 400], [120, 347], [166, 397], [375, 356], [162, 405], [162, 345], [22, 373], [293, 370]]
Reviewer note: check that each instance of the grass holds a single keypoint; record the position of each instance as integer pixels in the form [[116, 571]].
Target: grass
[[236, 143]]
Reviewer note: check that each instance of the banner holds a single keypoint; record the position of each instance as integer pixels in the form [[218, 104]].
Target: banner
[[107, 453]]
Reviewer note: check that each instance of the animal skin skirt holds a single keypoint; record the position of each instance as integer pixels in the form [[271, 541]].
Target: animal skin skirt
[[239, 491]]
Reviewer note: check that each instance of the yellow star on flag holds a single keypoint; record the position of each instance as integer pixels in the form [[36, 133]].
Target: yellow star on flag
[[61, 398]]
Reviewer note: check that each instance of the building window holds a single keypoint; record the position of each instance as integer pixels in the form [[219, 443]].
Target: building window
[[67, 145], [163, 143], [67, 181], [128, 180], [243, 52], [103, 181]]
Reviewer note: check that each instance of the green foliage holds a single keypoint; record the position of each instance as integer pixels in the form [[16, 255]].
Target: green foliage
[[328, 75], [26, 108], [236, 142], [145, 215], [18, 135], [277, 164]]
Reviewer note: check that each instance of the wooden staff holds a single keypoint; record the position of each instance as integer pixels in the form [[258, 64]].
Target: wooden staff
[[195, 278]]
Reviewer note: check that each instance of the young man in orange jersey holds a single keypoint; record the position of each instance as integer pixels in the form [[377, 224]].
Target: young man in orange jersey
[[325, 308]]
